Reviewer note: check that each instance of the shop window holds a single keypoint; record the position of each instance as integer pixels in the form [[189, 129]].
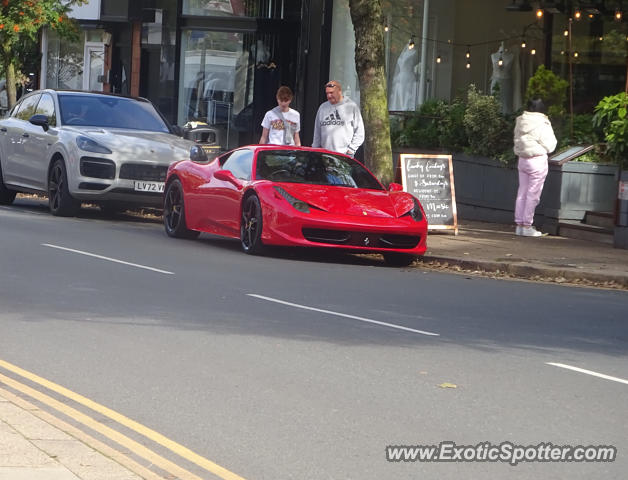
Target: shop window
[[65, 63], [277, 9]]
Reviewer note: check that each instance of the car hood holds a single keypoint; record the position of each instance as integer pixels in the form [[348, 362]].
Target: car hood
[[345, 200], [140, 144]]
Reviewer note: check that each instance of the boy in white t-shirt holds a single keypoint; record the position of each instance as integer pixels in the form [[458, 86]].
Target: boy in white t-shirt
[[282, 124]]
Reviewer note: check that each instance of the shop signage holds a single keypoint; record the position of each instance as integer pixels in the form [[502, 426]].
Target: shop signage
[[430, 178]]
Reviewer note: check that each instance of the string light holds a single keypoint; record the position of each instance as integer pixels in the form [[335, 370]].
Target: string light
[[468, 65], [439, 59], [576, 54], [411, 43], [468, 54], [386, 28], [523, 42], [566, 33], [500, 62], [533, 51], [539, 13], [618, 15], [577, 14]]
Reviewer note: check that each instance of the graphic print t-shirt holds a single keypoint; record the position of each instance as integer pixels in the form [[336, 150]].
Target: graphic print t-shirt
[[275, 125]]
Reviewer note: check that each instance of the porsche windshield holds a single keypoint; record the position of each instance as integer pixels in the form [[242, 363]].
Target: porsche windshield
[[109, 112], [296, 166]]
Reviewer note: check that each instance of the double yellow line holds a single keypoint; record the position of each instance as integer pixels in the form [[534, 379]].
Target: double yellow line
[[108, 432]]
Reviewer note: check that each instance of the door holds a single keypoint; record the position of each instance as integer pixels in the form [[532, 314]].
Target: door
[[94, 67]]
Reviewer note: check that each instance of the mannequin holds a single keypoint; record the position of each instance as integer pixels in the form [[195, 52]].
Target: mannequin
[[403, 94], [503, 76]]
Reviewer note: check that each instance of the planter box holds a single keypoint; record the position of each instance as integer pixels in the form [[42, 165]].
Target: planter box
[[486, 190]]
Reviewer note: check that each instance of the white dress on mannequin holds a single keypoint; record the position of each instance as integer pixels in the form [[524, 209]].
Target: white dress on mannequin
[[503, 76], [403, 94]]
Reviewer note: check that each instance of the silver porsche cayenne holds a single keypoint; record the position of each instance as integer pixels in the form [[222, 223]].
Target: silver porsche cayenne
[[77, 147]]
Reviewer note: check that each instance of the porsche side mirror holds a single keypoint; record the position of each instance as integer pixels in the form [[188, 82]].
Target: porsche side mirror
[[227, 176], [41, 121], [197, 154], [395, 187]]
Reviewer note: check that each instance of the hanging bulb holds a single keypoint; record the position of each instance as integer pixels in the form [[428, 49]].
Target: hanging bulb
[[533, 51], [566, 33], [500, 62], [411, 43], [468, 54], [439, 59], [576, 54], [385, 28], [539, 13], [618, 15], [468, 65], [523, 42], [577, 14]]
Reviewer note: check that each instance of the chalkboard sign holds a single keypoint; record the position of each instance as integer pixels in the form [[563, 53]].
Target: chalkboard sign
[[430, 178]]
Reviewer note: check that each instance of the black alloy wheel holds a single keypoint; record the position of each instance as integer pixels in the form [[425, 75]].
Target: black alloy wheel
[[251, 226], [6, 195], [60, 201], [174, 212], [395, 259]]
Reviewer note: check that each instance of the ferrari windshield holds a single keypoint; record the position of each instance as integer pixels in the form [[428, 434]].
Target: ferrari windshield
[[300, 166], [109, 112]]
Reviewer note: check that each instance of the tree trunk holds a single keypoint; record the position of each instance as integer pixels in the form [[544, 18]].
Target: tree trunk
[[370, 65], [10, 85]]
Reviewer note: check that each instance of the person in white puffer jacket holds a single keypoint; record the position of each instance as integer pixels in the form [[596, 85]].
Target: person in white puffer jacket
[[534, 140]]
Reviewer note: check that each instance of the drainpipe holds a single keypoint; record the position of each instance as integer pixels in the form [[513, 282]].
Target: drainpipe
[[423, 71]]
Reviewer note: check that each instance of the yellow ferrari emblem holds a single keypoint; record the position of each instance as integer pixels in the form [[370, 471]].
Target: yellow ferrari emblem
[[364, 213]]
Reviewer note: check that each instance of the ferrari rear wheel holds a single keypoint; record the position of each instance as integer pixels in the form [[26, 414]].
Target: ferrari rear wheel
[[395, 259], [251, 226], [174, 212], [60, 201], [6, 195]]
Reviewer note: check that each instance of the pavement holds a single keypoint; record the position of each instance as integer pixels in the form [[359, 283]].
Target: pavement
[[34, 445]]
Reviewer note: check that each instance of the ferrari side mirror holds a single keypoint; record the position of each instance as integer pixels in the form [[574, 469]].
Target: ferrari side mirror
[[227, 176], [395, 187]]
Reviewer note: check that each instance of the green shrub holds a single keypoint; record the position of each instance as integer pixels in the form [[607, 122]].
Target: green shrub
[[550, 88], [487, 130], [611, 115]]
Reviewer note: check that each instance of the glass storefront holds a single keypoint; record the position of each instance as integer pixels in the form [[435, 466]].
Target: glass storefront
[[64, 65]]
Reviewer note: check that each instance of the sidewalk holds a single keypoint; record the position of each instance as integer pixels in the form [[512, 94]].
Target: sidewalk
[[33, 446], [495, 249]]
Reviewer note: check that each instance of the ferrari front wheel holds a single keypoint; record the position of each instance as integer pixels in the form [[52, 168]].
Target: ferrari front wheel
[[174, 212], [251, 225], [395, 259]]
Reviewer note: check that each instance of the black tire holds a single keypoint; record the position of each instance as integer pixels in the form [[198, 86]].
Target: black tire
[[395, 259], [6, 195], [174, 212], [251, 226], [60, 202]]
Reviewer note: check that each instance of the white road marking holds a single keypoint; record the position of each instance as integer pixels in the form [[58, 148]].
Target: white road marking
[[107, 258], [329, 312], [588, 372]]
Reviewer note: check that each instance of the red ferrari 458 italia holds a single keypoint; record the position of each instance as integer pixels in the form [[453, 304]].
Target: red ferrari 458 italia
[[292, 196]]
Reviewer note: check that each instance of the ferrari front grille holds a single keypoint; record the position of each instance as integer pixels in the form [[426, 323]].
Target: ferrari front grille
[[138, 171], [361, 239]]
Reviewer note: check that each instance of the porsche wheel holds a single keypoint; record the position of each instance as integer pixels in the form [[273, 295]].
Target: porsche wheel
[[174, 212], [61, 203], [394, 259], [6, 196], [251, 226]]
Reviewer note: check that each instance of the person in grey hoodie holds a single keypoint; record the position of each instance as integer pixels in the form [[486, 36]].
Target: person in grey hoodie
[[534, 140], [338, 126]]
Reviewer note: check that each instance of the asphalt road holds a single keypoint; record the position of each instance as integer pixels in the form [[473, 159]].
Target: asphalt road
[[300, 365]]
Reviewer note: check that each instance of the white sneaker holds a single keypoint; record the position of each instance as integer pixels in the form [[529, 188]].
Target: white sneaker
[[519, 230], [530, 231]]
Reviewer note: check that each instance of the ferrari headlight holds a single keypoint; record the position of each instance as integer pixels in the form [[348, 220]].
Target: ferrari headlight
[[89, 145], [415, 213], [299, 205]]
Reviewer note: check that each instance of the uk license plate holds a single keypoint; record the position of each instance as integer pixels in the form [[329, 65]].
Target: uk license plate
[[156, 187]]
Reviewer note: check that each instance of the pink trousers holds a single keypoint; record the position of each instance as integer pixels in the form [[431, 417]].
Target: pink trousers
[[532, 173]]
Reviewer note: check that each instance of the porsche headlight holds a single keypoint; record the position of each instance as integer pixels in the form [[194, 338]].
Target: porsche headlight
[[415, 213], [299, 205], [89, 145]]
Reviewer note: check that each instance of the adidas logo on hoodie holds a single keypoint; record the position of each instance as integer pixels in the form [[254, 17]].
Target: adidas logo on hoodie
[[333, 119]]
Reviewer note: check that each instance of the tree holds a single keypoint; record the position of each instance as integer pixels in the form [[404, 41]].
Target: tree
[[368, 24], [20, 23]]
